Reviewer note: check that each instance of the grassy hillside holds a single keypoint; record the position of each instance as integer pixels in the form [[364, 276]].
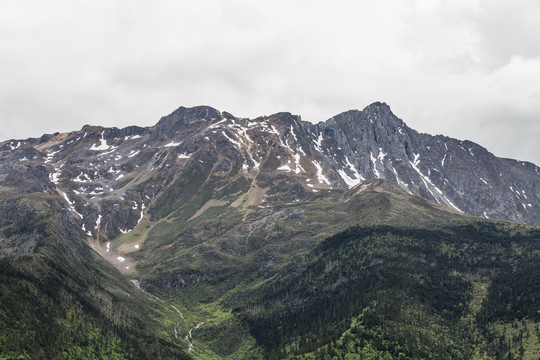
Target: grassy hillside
[[407, 277], [371, 273], [60, 300]]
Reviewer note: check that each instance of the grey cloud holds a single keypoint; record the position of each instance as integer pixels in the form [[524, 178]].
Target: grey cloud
[[441, 65]]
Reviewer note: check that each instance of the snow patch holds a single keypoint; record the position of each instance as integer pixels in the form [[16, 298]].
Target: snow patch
[[231, 140], [381, 155], [351, 166], [108, 152], [98, 221], [285, 168], [318, 143], [172, 143], [103, 144], [14, 145], [348, 180], [50, 156], [86, 231], [213, 126], [293, 134], [132, 137], [82, 178], [373, 162], [274, 131], [320, 175], [297, 163], [55, 177]]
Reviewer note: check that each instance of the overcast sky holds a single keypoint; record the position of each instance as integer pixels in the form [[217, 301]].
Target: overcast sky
[[469, 69]]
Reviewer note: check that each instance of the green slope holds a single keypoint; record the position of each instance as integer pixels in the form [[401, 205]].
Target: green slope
[[60, 300], [367, 273], [408, 278]]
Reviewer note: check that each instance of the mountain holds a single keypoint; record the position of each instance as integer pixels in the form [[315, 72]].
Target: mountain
[[267, 238], [281, 156]]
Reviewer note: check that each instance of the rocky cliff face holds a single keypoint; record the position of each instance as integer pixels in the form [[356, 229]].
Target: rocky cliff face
[[112, 178]]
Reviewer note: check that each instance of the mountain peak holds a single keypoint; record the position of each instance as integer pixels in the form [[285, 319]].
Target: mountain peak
[[378, 105], [379, 110], [186, 118]]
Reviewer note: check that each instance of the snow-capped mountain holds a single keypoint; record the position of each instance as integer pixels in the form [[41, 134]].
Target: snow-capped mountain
[[111, 178]]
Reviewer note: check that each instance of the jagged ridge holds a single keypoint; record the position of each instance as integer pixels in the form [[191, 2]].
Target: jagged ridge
[[285, 158]]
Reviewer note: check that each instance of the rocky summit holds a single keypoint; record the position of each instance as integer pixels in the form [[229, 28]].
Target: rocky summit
[[111, 178]]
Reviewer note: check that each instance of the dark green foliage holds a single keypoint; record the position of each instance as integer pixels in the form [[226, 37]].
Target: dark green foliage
[[514, 294], [63, 302], [419, 279]]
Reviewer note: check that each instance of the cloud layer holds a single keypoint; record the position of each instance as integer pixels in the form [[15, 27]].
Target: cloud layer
[[464, 68]]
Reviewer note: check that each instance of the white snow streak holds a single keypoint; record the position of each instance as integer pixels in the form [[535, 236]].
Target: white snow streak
[[399, 180], [238, 145], [293, 134], [86, 231], [297, 163], [348, 180], [373, 161], [351, 182], [285, 168], [71, 207], [172, 143], [318, 143], [132, 137], [320, 175], [50, 156], [98, 221], [80, 178], [427, 181]]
